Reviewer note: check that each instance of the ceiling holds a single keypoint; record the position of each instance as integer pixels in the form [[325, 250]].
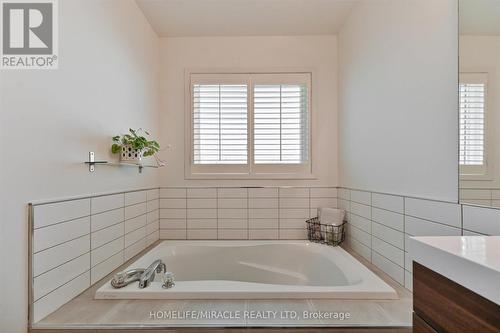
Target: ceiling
[[479, 17], [183, 18]]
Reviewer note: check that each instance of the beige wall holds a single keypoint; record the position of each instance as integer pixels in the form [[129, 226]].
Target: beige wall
[[482, 54], [398, 111], [107, 81], [260, 53]]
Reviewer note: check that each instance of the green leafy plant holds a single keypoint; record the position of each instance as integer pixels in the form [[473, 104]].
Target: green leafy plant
[[137, 139]]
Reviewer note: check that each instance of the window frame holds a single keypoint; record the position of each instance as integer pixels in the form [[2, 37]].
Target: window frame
[[476, 172], [249, 170]]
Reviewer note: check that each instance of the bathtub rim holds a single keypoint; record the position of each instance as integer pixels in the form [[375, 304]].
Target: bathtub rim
[[342, 292]]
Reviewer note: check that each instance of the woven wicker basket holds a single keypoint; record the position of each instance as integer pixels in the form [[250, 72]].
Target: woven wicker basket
[[328, 234]]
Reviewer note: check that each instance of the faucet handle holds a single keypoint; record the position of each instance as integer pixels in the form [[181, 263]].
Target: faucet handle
[[161, 268], [168, 280]]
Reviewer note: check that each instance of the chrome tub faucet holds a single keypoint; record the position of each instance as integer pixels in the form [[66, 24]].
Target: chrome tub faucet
[[148, 276], [123, 279], [144, 276]]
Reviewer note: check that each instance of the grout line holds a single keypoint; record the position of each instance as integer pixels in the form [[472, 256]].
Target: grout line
[[369, 249], [476, 232], [481, 188], [248, 214], [480, 206], [55, 267], [401, 195], [107, 271], [135, 204], [61, 222], [67, 241], [134, 243], [217, 208], [371, 228], [279, 213], [134, 217], [65, 283], [380, 223], [100, 262], [104, 228], [309, 202], [105, 211], [191, 208], [390, 211], [91, 249], [128, 233], [359, 228], [361, 203], [398, 248], [364, 217], [156, 218], [359, 239], [380, 254], [426, 220], [152, 211], [88, 196], [462, 219]]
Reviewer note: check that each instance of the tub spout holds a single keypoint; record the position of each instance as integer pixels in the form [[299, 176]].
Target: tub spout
[[125, 278], [148, 276]]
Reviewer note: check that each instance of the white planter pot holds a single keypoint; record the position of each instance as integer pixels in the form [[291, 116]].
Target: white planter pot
[[131, 155]]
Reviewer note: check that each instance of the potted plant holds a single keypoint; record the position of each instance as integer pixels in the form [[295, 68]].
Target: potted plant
[[134, 146]]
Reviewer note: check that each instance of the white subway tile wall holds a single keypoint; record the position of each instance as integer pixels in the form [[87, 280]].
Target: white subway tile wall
[[480, 196], [437, 211], [359, 229], [240, 213], [78, 242], [481, 220], [381, 224]]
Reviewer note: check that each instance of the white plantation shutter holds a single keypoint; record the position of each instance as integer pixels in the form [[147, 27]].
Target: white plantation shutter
[[281, 128], [472, 119], [244, 125], [220, 124]]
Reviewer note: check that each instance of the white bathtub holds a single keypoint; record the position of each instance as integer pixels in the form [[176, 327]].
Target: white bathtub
[[253, 270]]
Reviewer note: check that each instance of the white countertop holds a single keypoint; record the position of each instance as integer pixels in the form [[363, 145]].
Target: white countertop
[[471, 261]]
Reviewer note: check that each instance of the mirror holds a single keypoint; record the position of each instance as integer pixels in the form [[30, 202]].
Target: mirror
[[479, 106]]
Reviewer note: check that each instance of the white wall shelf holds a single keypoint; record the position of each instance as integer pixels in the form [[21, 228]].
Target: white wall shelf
[[92, 163]]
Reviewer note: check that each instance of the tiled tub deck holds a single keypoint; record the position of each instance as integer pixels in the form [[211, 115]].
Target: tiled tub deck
[[86, 312]]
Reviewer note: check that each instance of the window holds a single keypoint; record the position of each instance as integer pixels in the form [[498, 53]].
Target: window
[[473, 124], [249, 125], [220, 124], [280, 124]]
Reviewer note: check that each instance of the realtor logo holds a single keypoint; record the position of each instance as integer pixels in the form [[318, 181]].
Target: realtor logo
[[29, 34]]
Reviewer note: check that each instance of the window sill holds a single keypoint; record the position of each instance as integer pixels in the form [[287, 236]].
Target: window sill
[[255, 176], [471, 177]]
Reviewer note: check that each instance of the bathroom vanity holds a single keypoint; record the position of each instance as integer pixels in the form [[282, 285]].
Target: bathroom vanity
[[456, 284]]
